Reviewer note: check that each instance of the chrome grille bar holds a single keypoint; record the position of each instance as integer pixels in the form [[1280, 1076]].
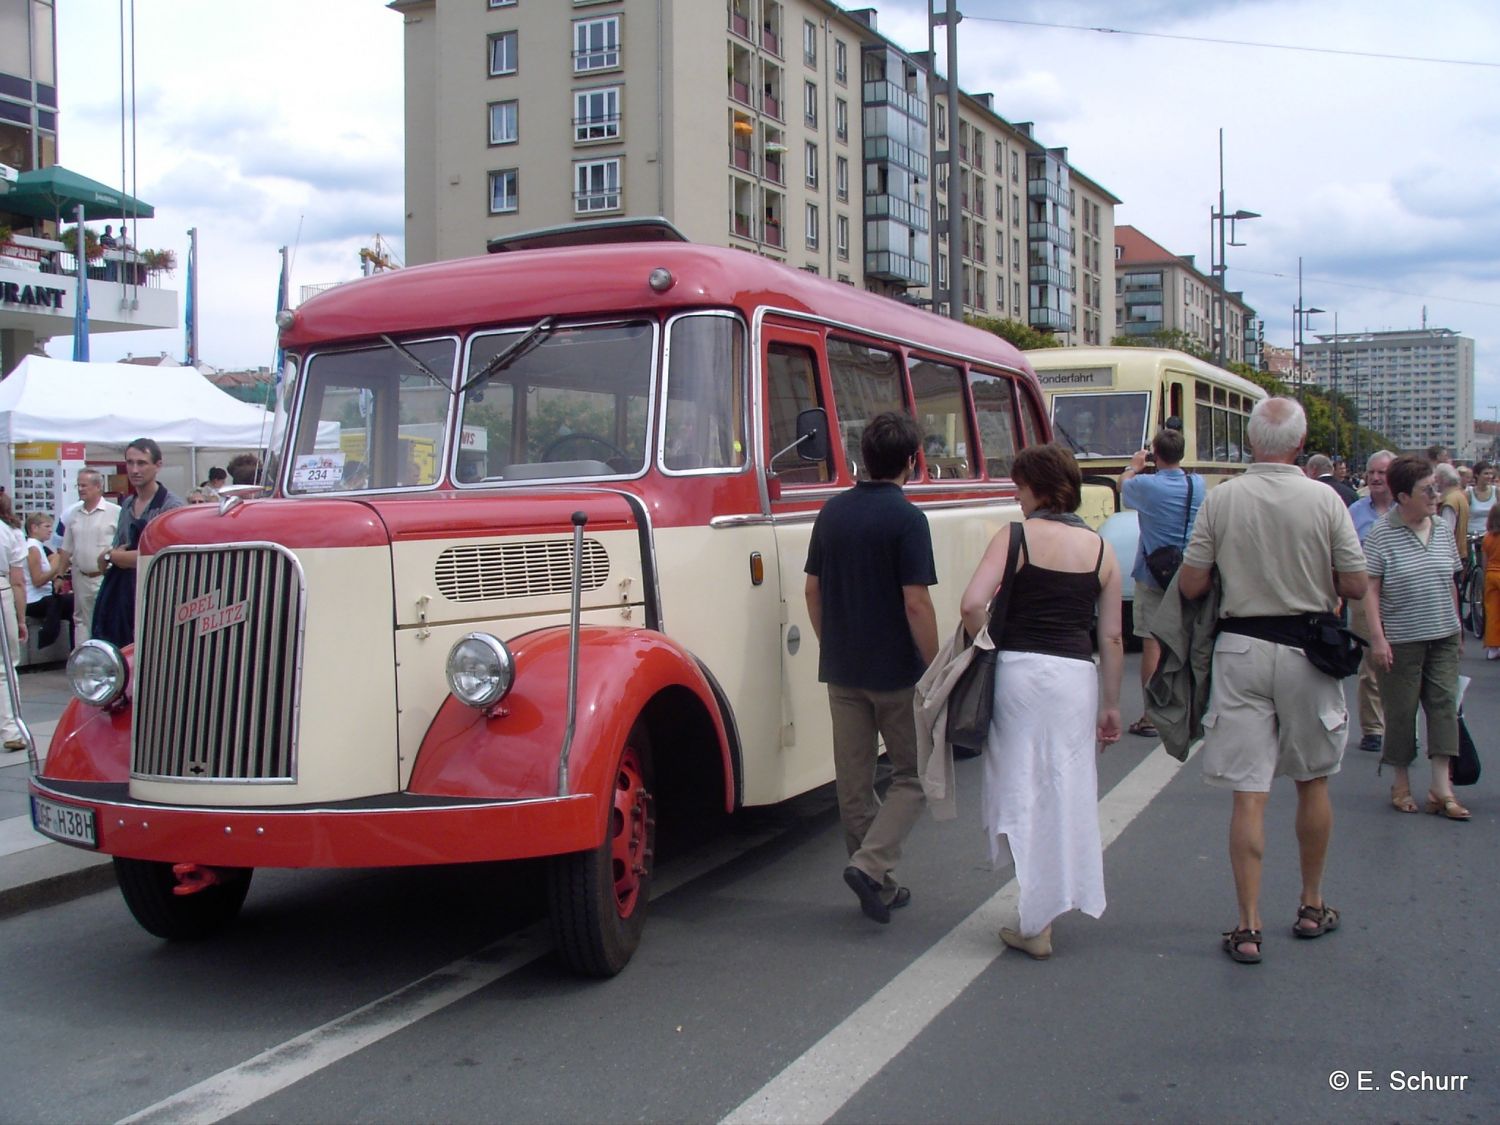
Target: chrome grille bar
[[216, 683]]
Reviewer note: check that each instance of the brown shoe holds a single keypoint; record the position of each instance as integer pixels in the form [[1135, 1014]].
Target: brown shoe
[[1437, 806], [1038, 948]]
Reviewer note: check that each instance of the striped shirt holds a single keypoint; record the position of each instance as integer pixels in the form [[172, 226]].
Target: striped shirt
[[1416, 579]]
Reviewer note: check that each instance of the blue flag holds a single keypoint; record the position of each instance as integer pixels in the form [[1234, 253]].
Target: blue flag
[[81, 306]]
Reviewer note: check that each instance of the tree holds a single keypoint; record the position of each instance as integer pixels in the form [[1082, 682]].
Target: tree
[[1021, 335], [1173, 338]]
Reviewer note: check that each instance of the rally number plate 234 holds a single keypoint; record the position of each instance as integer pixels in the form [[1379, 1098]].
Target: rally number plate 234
[[67, 823]]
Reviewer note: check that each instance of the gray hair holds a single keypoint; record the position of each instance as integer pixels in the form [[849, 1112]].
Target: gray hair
[[1379, 455], [1277, 427], [1446, 474], [95, 473], [1319, 465]]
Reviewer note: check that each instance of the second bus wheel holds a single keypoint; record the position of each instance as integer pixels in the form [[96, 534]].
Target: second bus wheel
[[149, 889], [597, 899]]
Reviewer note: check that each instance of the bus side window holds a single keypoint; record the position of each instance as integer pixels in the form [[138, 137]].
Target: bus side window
[[866, 382], [995, 413], [792, 378], [1031, 422], [703, 423], [947, 447]]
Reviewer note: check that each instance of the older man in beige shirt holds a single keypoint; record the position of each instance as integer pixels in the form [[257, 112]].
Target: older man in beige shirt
[[89, 530]]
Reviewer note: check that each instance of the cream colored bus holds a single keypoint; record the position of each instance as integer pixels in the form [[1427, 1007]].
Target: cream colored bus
[[1107, 403]]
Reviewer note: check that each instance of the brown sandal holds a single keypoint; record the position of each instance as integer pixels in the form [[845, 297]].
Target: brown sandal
[[1446, 806], [1233, 939], [1324, 920], [1401, 800]]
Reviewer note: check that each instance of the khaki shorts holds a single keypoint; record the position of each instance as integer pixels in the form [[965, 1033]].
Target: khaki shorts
[[1270, 714], [1147, 602]]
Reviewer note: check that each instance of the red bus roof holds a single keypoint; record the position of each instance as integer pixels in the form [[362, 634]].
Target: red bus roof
[[583, 280]]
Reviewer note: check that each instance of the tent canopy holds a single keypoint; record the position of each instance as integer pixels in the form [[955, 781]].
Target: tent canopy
[[52, 193], [47, 399]]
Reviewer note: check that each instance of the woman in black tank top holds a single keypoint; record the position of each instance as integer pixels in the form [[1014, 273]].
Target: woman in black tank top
[[1052, 713]]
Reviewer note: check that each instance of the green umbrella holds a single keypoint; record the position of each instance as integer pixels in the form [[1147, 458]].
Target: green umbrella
[[52, 193]]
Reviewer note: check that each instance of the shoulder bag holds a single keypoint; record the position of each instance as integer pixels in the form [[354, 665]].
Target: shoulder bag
[[971, 703], [1164, 561]]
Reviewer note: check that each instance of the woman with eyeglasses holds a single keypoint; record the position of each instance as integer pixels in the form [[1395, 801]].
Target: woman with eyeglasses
[[1415, 637]]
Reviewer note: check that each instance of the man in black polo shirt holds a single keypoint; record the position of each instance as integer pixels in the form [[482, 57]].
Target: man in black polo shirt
[[869, 565]]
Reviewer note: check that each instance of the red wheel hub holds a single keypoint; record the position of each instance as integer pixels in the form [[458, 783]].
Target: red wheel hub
[[629, 832]]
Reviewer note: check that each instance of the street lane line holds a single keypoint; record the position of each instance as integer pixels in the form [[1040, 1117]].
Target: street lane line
[[817, 1084], [231, 1091]]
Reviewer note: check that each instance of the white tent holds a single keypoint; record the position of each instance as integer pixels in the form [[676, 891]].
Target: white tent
[[47, 399]]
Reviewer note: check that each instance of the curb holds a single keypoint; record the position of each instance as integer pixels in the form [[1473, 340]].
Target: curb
[[51, 875]]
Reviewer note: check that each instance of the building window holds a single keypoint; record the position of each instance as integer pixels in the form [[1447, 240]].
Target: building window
[[809, 43], [596, 186], [841, 176], [810, 103], [596, 44], [942, 121], [841, 119], [842, 237], [812, 226], [596, 114], [810, 158], [504, 122], [840, 61], [502, 3], [502, 53], [505, 191]]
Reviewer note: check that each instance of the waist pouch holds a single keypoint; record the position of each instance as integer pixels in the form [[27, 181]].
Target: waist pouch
[[1329, 647]]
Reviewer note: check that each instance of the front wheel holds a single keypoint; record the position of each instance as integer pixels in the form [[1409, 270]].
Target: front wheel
[[147, 887], [598, 898], [1474, 590]]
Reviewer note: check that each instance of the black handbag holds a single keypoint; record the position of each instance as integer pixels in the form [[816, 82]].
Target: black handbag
[[1164, 561], [1464, 769], [971, 703], [1331, 648]]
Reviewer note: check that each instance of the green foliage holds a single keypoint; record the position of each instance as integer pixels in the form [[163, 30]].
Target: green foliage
[[92, 251], [1173, 338], [1021, 335]]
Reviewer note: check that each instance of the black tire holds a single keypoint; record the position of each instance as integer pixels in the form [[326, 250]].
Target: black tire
[[1474, 589], [147, 888], [598, 898]]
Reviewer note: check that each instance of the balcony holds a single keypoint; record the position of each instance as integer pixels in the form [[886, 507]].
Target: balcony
[[770, 41], [39, 293], [742, 159], [739, 24], [886, 265], [1047, 232], [879, 91], [1047, 275], [893, 207], [742, 226], [773, 170], [1045, 189], [773, 234], [1054, 320], [884, 148], [739, 91], [771, 104]]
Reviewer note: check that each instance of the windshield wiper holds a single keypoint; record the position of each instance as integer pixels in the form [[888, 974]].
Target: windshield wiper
[[415, 362], [537, 333], [1060, 428]]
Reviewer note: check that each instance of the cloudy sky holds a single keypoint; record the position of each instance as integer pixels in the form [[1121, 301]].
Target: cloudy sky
[[280, 123]]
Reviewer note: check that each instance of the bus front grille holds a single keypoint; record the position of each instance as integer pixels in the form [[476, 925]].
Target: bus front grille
[[480, 571], [215, 685]]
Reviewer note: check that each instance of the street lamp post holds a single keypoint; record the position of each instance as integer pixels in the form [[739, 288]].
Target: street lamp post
[[1299, 322], [1217, 217]]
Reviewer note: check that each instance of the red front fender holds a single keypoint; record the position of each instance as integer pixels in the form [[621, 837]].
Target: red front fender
[[513, 753], [93, 743]]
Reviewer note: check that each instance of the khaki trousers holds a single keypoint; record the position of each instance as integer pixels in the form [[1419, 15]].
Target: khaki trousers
[[10, 730], [874, 830], [85, 593], [1371, 710], [1423, 673]]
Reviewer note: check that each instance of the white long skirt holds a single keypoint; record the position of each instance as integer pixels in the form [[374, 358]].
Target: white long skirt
[[1041, 785]]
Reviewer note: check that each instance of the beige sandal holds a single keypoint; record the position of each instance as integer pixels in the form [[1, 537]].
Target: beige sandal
[[1401, 799], [1446, 806]]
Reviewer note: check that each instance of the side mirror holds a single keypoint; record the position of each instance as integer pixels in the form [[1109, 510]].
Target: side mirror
[[812, 435]]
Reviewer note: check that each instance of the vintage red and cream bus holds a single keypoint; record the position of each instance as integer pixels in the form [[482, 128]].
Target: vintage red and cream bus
[[528, 576]]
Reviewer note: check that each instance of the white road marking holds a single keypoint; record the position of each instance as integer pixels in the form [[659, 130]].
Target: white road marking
[[273, 1070], [815, 1086]]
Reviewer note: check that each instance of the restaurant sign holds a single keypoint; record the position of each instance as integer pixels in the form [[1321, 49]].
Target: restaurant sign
[[31, 296]]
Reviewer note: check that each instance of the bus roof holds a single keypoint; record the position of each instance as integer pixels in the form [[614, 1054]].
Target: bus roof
[[526, 285], [1156, 360]]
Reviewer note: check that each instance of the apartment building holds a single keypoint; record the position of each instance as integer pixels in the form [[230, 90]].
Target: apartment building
[[1159, 291], [788, 128], [1416, 386]]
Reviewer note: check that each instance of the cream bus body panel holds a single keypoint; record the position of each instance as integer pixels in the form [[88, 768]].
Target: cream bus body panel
[[346, 740], [960, 533], [711, 608]]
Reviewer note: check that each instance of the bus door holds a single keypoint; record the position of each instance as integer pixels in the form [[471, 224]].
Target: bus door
[[796, 380]]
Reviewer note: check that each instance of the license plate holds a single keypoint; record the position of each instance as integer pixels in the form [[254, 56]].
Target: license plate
[[68, 823]]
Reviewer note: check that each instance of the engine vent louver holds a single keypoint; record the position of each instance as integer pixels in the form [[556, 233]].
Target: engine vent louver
[[485, 571]]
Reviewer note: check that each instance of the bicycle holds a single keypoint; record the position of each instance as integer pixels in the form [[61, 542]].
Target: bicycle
[[1471, 589]]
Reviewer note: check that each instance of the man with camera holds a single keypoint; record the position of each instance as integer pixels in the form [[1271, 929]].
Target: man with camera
[[1166, 503]]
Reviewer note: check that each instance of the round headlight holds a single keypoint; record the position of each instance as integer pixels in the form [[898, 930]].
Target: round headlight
[[480, 670], [96, 673]]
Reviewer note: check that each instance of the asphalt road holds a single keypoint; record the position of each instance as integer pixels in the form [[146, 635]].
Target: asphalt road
[[760, 991]]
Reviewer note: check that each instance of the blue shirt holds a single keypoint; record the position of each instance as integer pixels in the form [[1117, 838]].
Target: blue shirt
[[1160, 499], [1364, 515]]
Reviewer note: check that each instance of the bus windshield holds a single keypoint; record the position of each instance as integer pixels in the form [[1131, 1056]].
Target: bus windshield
[[1102, 425], [575, 403]]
